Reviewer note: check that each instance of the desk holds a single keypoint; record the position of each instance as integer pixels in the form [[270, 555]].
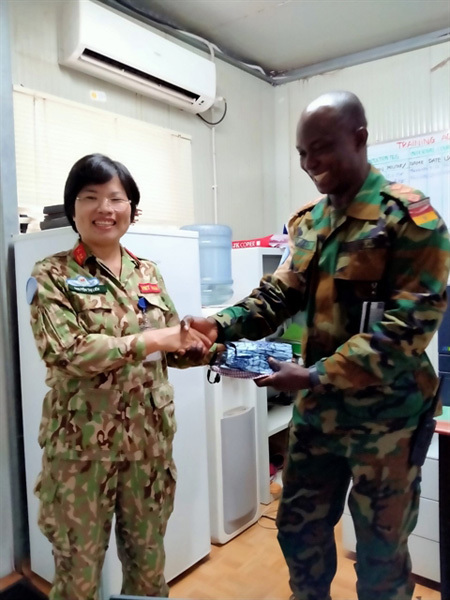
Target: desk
[[443, 429]]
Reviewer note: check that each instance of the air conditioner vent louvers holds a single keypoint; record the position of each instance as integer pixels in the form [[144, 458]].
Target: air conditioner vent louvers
[[126, 69], [106, 44]]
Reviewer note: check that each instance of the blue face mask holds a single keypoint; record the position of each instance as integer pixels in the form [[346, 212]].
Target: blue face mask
[[248, 360]]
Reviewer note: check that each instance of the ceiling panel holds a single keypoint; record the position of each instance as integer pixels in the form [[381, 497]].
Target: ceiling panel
[[285, 35]]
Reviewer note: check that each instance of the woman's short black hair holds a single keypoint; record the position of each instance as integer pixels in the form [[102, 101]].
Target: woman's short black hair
[[97, 169]]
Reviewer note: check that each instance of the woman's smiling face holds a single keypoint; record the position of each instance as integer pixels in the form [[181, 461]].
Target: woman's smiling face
[[102, 213]]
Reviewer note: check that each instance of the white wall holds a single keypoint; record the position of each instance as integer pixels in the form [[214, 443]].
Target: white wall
[[404, 96], [245, 153], [259, 179], [13, 536], [6, 528]]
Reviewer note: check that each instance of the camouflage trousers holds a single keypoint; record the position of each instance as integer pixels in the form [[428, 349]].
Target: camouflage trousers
[[383, 501], [77, 502]]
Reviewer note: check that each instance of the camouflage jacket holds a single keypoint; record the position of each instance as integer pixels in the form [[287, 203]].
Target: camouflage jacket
[[387, 247], [107, 400]]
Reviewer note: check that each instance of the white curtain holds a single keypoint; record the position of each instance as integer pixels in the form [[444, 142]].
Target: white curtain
[[51, 134]]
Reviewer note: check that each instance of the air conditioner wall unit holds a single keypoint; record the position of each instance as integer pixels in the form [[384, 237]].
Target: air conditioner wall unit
[[111, 46]]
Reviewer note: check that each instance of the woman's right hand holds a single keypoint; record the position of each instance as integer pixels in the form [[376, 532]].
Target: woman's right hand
[[176, 339]]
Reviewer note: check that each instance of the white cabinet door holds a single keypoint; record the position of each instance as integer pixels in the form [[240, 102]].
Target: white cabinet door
[[248, 266]]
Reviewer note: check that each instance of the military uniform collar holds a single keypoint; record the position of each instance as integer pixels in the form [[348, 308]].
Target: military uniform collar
[[134, 258], [82, 253], [366, 203]]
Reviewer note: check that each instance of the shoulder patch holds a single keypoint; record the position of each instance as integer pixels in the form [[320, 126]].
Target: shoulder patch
[[423, 215], [416, 203], [31, 289]]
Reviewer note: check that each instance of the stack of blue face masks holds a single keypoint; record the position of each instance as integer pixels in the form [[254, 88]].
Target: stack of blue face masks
[[248, 360]]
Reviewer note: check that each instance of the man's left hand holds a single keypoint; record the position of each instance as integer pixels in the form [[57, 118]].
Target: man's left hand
[[288, 377]]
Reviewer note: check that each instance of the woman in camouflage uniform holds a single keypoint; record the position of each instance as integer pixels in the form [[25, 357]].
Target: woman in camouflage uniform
[[103, 323]]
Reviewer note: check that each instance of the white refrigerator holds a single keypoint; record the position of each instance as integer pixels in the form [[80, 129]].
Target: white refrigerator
[[188, 534]]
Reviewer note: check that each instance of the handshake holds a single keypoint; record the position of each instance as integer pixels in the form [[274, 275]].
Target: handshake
[[192, 337], [197, 335]]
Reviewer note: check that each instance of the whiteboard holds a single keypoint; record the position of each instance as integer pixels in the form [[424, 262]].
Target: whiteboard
[[422, 162]]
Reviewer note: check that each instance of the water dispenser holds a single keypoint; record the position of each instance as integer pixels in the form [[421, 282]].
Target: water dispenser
[[215, 263]]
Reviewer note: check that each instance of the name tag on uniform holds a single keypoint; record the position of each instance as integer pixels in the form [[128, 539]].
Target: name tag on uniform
[[149, 288], [86, 285]]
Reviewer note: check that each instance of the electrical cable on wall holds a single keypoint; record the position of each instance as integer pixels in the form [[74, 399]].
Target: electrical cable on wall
[[213, 153], [221, 118], [214, 168]]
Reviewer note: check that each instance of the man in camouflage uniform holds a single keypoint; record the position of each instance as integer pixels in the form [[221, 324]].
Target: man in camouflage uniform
[[102, 321], [368, 265]]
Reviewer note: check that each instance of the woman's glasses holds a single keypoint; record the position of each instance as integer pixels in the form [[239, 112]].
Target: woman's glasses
[[117, 203]]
